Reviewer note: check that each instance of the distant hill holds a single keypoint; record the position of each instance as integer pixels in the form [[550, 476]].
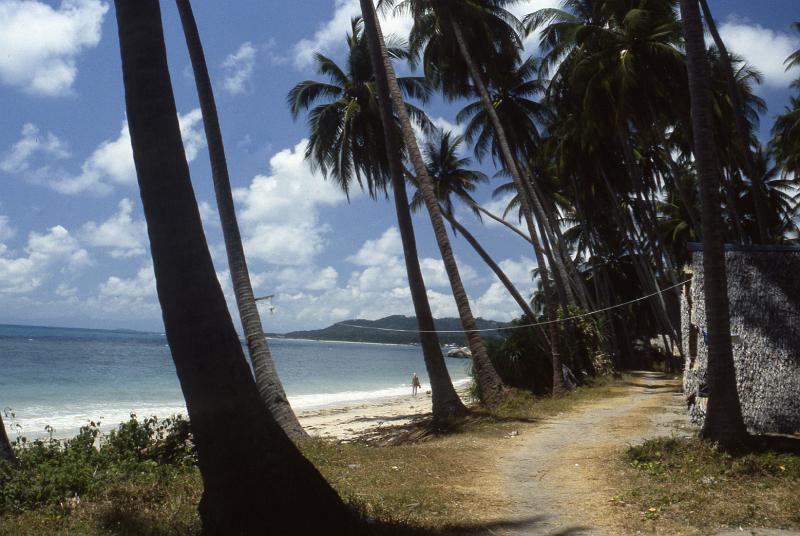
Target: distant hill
[[344, 331]]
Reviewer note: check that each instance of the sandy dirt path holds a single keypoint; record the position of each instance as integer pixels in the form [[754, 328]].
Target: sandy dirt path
[[556, 473]]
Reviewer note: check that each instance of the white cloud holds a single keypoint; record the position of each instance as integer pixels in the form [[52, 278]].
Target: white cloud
[[135, 289], [279, 211], [41, 43], [330, 36], [32, 142], [45, 254], [764, 48], [124, 236], [112, 162], [381, 251], [496, 303], [239, 68], [6, 230]]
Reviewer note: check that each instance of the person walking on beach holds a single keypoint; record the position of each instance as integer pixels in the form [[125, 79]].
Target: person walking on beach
[[415, 385]]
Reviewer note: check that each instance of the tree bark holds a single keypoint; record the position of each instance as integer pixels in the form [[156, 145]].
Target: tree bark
[[6, 452], [267, 380], [253, 475], [490, 388], [741, 124], [723, 422], [446, 404]]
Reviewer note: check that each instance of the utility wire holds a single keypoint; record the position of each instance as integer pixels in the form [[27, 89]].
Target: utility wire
[[662, 291]]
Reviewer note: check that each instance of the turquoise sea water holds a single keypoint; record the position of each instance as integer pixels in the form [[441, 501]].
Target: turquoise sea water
[[66, 377]]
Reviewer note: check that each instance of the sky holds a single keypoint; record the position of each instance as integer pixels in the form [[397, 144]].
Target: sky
[[73, 243]]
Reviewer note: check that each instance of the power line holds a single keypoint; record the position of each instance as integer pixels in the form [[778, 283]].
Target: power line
[[662, 291]]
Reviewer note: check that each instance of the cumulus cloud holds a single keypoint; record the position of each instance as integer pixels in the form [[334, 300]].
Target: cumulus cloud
[[329, 37], [764, 48], [56, 251], [32, 142], [496, 303], [279, 211], [110, 164], [6, 230], [130, 290], [41, 43], [121, 234], [239, 67]]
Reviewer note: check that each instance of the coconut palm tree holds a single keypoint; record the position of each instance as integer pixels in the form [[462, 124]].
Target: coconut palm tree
[[785, 144], [461, 46], [723, 423], [489, 385], [743, 133], [260, 475], [269, 385], [451, 178], [348, 140]]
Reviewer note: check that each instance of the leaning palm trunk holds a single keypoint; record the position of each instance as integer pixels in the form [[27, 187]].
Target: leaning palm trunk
[[269, 385], [723, 423], [501, 221], [501, 275], [253, 475], [490, 387], [509, 159], [741, 124], [446, 404], [6, 452]]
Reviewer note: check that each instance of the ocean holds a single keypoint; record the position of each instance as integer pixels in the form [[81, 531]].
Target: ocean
[[63, 378]]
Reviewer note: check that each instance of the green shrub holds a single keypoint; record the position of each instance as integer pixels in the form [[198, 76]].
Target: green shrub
[[58, 473]]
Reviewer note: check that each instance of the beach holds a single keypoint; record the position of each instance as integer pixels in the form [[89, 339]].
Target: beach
[[347, 422]]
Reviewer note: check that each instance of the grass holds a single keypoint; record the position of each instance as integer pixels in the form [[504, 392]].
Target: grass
[[687, 486], [140, 483]]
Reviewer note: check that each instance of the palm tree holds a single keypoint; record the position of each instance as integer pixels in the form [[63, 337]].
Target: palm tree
[[269, 385], [723, 423], [785, 144], [6, 452], [348, 140], [490, 387], [452, 178], [742, 131], [259, 479]]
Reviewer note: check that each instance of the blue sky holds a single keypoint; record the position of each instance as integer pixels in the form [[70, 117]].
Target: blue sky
[[73, 249]]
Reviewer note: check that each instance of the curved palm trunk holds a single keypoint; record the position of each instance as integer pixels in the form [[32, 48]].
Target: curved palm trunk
[[501, 221], [253, 475], [269, 385], [6, 452], [723, 423], [501, 275], [741, 124], [446, 404], [490, 387], [511, 163]]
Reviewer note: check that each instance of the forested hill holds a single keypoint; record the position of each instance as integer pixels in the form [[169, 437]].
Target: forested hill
[[344, 331]]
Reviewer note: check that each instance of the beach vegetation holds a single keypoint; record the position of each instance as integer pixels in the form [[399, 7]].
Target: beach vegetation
[[689, 486]]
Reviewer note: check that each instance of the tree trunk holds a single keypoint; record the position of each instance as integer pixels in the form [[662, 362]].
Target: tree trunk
[[501, 221], [723, 423], [511, 163], [253, 475], [6, 452], [447, 406], [501, 275], [267, 380], [742, 131], [490, 387]]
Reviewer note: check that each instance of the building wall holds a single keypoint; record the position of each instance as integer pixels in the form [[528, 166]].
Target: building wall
[[764, 293]]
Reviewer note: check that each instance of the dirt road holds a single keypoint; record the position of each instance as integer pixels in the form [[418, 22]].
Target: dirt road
[[554, 475]]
